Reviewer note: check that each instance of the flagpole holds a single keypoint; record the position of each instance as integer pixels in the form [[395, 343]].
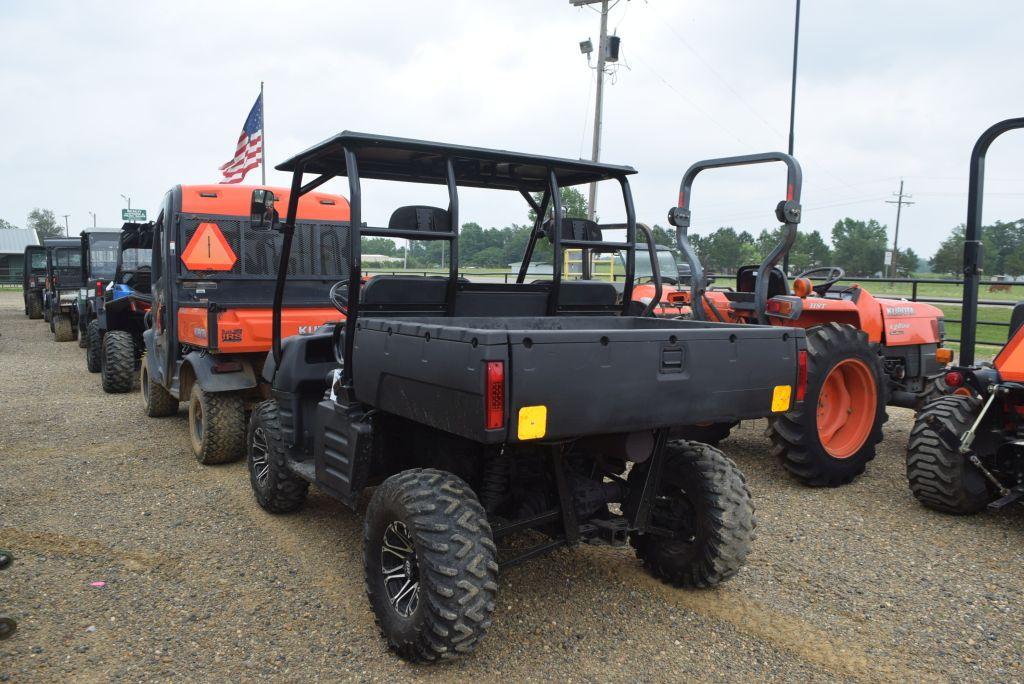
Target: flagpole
[[263, 147]]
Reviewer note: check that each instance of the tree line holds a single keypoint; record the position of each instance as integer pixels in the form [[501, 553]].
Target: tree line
[[42, 221]]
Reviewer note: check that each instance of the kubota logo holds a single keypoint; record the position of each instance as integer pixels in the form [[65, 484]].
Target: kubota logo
[[899, 310], [307, 329]]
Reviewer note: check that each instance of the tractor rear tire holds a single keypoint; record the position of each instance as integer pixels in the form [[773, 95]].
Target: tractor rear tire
[[63, 328], [117, 367], [711, 433], [35, 306], [939, 476], [216, 426], [159, 402], [94, 347], [430, 565], [713, 538], [830, 439], [277, 489]]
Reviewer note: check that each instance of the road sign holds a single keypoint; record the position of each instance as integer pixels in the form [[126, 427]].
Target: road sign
[[133, 214]]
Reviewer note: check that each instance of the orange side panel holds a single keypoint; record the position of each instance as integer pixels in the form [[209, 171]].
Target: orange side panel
[[909, 323], [1010, 359], [236, 200], [668, 306], [249, 330]]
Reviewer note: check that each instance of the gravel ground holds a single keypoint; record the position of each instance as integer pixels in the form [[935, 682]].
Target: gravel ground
[[853, 584]]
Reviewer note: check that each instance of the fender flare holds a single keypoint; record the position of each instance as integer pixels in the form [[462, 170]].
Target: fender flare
[[201, 366]]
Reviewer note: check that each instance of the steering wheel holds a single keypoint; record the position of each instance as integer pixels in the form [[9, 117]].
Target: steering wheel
[[833, 274], [339, 296]]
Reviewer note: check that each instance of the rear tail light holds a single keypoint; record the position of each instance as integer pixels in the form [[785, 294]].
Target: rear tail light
[[494, 395], [954, 379], [801, 376], [99, 288]]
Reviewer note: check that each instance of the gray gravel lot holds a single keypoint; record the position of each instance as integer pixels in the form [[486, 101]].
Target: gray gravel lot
[[857, 583]]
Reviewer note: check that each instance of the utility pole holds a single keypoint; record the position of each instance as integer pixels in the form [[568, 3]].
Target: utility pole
[[93, 214], [602, 54], [67, 229], [127, 199], [899, 202]]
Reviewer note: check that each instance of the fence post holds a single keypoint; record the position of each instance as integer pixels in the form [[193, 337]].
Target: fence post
[[913, 291]]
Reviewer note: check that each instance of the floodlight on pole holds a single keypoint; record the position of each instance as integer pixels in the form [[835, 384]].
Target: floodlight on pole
[[127, 199], [586, 47]]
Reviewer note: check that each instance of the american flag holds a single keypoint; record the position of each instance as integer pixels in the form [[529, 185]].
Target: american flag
[[249, 149]]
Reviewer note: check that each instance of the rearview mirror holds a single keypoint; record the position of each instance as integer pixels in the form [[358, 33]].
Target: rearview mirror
[[262, 213]]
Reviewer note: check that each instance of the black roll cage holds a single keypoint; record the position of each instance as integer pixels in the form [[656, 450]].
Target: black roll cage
[[973, 248], [408, 160], [133, 236], [787, 211]]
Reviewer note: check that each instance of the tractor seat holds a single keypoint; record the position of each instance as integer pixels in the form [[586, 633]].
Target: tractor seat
[[746, 279]]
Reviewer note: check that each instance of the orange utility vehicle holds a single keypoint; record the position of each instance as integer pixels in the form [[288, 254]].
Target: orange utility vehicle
[[863, 352], [214, 274], [966, 450]]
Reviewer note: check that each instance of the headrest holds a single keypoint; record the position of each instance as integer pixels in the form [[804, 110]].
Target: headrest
[[427, 219], [574, 229]]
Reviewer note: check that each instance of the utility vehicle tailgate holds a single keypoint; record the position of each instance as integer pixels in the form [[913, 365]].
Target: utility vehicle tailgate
[[568, 376]]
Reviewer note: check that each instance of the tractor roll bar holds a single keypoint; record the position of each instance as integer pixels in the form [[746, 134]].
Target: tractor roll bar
[[973, 250], [787, 212]]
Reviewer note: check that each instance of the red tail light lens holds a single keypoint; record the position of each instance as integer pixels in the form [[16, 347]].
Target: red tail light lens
[[801, 376], [99, 288], [954, 379], [495, 395]]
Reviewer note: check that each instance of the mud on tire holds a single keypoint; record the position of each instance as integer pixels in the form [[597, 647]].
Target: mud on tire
[[795, 436], [63, 328], [117, 366], [35, 306], [216, 426], [159, 402], [428, 526], [704, 499], [939, 476], [277, 489]]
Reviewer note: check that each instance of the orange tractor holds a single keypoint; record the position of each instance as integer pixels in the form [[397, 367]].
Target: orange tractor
[[966, 450], [864, 352]]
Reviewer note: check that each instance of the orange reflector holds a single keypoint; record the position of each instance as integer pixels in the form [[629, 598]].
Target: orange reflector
[[802, 287], [208, 250], [943, 355]]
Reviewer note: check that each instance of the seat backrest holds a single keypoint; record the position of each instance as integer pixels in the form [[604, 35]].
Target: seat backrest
[[746, 279], [422, 218], [1016, 319], [573, 229]]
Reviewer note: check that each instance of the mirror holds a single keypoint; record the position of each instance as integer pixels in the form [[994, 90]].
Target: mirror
[[262, 214]]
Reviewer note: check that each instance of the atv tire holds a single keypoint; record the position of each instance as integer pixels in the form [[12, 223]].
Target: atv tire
[[939, 476], [276, 487], [48, 316], [35, 307], [703, 498], [430, 565], [830, 439], [711, 433], [159, 402], [63, 329], [216, 426], [117, 367], [94, 347], [80, 335]]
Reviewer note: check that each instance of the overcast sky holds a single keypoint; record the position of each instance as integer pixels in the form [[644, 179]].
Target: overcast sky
[[107, 98]]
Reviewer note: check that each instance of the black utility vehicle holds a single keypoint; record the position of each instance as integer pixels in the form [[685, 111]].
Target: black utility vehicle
[[63, 281], [33, 280], [114, 335], [99, 259], [485, 409]]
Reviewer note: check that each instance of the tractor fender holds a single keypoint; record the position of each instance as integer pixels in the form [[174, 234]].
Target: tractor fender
[[198, 368]]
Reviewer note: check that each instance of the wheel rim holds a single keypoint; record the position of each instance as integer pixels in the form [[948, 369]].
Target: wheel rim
[[260, 457], [846, 408], [400, 570]]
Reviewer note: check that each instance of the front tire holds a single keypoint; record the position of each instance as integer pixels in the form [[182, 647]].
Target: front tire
[[431, 565], [830, 440], [216, 425], [35, 306], [277, 489], [703, 498], [118, 362], [63, 329], [939, 476], [94, 347], [159, 402], [710, 433]]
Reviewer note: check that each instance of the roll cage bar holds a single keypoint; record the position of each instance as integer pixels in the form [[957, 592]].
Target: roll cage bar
[[787, 211], [973, 248], [362, 155]]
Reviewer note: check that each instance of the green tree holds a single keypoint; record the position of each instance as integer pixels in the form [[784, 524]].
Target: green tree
[[725, 250], [808, 251], [859, 246], [664, 237], [949, 257], [7, 225], [380, 245], [906, 262], [573, 202], [44, 223]]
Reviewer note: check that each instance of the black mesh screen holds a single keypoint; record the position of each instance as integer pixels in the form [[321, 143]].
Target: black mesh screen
[[319, 250]]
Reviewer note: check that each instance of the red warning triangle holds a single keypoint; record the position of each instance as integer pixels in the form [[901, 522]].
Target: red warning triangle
[[208, 250]]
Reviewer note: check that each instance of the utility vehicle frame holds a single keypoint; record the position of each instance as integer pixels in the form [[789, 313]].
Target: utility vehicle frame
[[63, 280], [99, 260], [966, 450], [33, 280], [482, 410], [113, 337], [210, 324], [863, 352]]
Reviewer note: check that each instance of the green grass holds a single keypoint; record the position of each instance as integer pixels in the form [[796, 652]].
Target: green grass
[[987, 334]]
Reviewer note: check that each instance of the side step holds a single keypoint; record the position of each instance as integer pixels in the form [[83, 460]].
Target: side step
[[612, 532], [1013, 497]]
